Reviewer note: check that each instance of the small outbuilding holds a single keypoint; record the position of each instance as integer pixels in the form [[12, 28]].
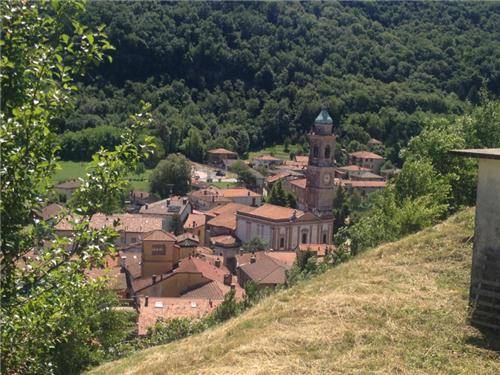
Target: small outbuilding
[[484, 294]]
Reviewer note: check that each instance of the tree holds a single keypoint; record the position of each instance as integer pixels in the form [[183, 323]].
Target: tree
[[255, 244], [280, 197], [193, 146], [244, 173], [176, 225], [171, 176], [51, 312]]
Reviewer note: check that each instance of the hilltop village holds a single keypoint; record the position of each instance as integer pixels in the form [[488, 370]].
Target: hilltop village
[[179, 256]]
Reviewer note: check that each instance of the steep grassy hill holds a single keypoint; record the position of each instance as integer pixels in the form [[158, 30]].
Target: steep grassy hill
[[399, 308]]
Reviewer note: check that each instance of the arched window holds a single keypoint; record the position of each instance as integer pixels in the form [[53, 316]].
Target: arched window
[[315, 151], [304, 237], [325, 236], [327, 152]]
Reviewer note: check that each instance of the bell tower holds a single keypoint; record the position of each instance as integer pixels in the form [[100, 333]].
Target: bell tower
[[321, 168]]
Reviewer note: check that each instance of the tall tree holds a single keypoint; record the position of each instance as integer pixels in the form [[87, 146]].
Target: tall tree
[[171, 176]]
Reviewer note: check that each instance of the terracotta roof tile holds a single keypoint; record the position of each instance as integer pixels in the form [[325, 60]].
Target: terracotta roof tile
[[360, 184], [134, 223], [302, 159], [171, 308], [276, 177], [238, 192], [273, 212], [267, 158], [227, 220], [195, 220], [229, 208], [187, 236], [72, 184], [166, 206], [51, 211], [159, 235], [365, 155], [349, 168], [224, 240], [221, 151], [300, 183]]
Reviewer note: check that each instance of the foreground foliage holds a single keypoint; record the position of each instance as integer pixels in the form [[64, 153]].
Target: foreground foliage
[[54, 318]]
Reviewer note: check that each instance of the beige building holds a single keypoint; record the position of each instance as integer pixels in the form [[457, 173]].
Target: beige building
[[367, 159], [217, 156], [266, 161], [361, 187], [160, 254], [283, 228], [196, 224], [66, 189], [167, 208]]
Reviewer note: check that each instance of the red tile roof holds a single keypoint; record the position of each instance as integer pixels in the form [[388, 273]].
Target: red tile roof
[[133, 223], [276, 177], [273, 212], [171, 308], [300, 183], [52, 210], [229, 208], [227, 221], [349, 168], [238, 192], [195, 220], [361, 183], [221, 151], [162, 207], [187, 236], [267, 158], [224, 240], [365, 155], [266, 270], [159, 235]]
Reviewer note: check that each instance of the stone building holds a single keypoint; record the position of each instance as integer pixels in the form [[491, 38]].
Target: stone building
[[217, 156], [484, 294]]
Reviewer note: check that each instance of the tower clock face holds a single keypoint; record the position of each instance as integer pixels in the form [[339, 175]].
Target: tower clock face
[[327, 178]]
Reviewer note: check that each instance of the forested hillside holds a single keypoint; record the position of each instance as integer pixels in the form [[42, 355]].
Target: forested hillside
[[246, 75]]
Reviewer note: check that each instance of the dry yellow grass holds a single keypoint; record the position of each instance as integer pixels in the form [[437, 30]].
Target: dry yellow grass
[[399, 308]]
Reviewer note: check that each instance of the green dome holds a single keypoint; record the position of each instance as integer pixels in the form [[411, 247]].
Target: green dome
[[323, 118]]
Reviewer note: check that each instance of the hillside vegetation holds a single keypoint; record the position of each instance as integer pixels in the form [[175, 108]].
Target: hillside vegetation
[[398, 308], [247, 75]]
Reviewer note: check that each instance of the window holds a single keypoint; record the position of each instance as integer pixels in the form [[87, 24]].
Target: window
[[325, 238], [327, 152], [134, 240], [158, 250], [282, 242], [315, 151], [304, 237]]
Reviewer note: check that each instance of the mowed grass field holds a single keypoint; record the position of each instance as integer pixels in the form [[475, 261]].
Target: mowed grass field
[[400, 308], [72, 170]]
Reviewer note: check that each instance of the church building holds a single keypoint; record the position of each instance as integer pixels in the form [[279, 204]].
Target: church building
[[284, 228]]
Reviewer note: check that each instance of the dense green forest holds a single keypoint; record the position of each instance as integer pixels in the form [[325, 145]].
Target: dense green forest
[[247, 75]]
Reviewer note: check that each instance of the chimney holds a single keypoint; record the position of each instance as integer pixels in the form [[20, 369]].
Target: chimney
[[146, 300], [147, 207], [210, 303], [154, 279], [184, 200], [194, 224], [253, 259], [248, 193], [233, 286], [122, 261], [168, 202], [205, 192], [217, 263], [228, 279]]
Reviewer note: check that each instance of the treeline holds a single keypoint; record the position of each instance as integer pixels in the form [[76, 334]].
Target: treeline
[[244, 75]]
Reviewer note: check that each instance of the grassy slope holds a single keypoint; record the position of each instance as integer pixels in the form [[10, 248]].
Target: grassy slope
[[276, 150], [399, 308]]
